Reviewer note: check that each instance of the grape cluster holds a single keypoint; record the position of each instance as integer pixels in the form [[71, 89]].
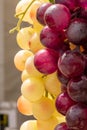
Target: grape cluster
[[53, 61]]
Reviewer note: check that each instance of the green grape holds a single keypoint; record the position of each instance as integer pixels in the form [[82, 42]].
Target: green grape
[[32, 89], [29, 125], [20, 59], [47, 124], [24, 106], [43, 109], [21, 7], [34, 43], [31, 69], [23, 37], [52, 84], [24, 75]]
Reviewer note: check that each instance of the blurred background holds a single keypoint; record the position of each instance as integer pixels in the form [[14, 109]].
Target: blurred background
[[10, 81]]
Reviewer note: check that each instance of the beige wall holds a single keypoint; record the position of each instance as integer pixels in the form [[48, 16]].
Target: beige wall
[[11, 75]]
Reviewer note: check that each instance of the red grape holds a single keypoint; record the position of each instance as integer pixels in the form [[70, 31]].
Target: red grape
[[71, 64], [57, 17], [76, 117], [45, 61]]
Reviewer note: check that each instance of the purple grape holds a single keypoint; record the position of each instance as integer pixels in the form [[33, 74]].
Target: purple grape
[[63, 88], [85, 56], [45, 61], [57, 17], [51, 39], [63, 103], [82, 2], [71, 4], [77, 32], [71, 64], [63, 79], [77, 89], [84, 12], [62, 126], [76, 117], [63, 48], [40, 12]]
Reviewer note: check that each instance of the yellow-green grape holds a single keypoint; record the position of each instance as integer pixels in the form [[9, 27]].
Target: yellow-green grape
[[24, 106], [35, 43], [24, 75], [43, 109], [21, 7], [57, 114], [47, 124], [20, 59], [23, 37], [61, 119], [32, 89], [29, 125], [33, 9], [31, 69], [37, 26], [52, 84]]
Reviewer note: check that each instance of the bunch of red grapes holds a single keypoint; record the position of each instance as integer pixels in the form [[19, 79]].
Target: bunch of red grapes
[[65, 37]]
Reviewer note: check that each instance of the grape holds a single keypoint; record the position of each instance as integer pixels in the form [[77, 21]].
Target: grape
[[63, 88], [47, 124], [84, 12], [21, 7], [23, 37], [65, 46], [31, 69], [70, 4], [71, 64], [76, 117], [37, 26], [45, 61], [63, 103], [29, 125], [35, 44], [32, 89], [24, 106], [52, 84], [77, 89], [51, 39], [24, 75], [82, 3], [33, 9], [20, 59], [63, 79], [62, 126], [40, 12], [43, 109], [57, 17], [77, 32]]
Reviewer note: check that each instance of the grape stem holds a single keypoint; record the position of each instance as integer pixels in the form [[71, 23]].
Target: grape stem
[[17, 28]]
